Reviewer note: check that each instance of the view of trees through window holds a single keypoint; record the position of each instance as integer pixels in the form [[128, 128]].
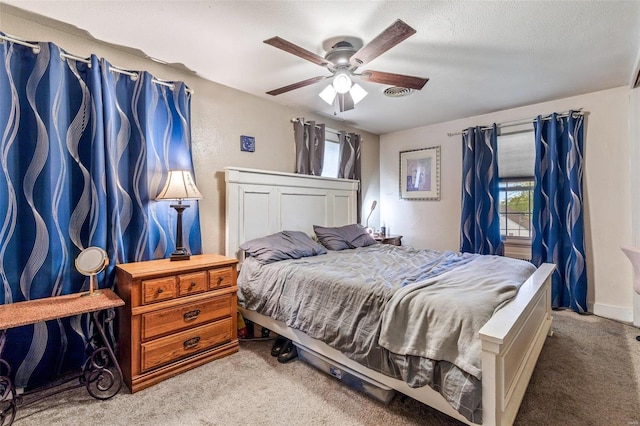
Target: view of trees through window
[[516, 207]]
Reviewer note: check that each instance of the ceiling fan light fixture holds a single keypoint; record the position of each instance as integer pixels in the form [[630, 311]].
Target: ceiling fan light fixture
[[346, 54], [328, 94], [342, 81], [357, 93]]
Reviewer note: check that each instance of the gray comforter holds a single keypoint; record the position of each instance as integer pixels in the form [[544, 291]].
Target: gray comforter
[[404, 312]]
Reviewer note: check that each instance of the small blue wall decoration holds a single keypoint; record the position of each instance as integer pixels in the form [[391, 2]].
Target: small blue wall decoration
[[247, 143]]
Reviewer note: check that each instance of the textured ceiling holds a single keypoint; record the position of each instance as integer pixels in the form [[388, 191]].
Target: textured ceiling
[[479, 56]]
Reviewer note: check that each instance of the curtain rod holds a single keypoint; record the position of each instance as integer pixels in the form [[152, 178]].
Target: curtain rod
[[12, 39], [134, 76], [301, 120], [326, 129], [75, 58], [64, 55], [513, 123]]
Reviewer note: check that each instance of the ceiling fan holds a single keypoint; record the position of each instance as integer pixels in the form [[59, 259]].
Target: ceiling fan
[[344, 58]]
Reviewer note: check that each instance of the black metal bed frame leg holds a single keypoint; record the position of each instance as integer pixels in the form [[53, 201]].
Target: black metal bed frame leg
[[8, 401], [100, 381]]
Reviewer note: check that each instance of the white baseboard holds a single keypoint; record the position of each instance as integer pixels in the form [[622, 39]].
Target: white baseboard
[[613, 312]]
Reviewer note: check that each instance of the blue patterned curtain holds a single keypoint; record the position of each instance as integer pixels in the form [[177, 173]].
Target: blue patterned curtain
[[83, 152], [480, 223], [147, 128], [558, 220]]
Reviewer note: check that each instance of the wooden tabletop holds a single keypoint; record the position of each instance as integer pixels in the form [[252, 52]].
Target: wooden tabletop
[[48, 308], [167, 266]]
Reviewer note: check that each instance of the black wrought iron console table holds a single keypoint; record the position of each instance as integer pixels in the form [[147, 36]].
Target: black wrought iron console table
[[100, 374]]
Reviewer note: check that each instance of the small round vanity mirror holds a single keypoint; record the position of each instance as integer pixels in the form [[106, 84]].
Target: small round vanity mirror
[[90, 262]]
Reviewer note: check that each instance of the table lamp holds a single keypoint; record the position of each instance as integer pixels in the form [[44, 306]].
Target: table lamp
[[373, 206], [180, 186]]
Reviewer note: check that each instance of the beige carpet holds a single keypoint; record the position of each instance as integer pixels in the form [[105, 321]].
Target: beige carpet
[[588, 374]]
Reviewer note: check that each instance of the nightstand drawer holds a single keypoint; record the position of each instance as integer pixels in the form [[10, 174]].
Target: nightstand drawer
[[170, 320], [192, 283], [167, 349], [222, 277], [158, 290]]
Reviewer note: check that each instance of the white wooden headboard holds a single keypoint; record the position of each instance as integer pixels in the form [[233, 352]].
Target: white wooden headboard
[[262, 202]]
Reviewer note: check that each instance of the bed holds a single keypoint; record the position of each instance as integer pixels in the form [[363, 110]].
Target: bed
[[260, 203]]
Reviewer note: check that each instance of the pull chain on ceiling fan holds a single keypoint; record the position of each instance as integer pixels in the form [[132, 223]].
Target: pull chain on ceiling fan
[[344, 59]]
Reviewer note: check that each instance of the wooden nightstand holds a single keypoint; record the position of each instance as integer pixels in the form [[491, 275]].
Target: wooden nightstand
[[389, 239], [177, 315]]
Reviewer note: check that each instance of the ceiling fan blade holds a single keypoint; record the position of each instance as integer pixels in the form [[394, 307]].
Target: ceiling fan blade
[[399, 80], [294, 86], [397, 32], [287, 46], [345, 102]]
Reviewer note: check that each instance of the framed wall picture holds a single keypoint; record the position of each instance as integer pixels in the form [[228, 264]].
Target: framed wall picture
[[247, 143], [420, 174]]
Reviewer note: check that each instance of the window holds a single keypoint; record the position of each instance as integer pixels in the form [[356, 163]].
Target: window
[[516, 158], [331, 154], [516, 206]]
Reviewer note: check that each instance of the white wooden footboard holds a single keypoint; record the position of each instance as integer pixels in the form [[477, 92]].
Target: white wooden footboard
[[511, 342]]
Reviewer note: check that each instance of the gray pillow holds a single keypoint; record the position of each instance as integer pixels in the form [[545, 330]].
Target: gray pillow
[[281, 246], [344, 237]]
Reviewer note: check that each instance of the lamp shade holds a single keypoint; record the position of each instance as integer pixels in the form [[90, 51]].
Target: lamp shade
[[179, 186], [357, 93], [328, 94]]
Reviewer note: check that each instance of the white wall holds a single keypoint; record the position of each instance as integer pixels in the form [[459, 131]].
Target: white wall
[[219, 116], [435, 224], [634, 165]]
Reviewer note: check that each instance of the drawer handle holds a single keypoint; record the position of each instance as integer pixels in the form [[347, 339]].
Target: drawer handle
[[160, 290], [192, 285], [191, 343], [191, 315], [220, 278]]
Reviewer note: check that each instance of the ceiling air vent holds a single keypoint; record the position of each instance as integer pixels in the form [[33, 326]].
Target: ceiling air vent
[[397, 92]]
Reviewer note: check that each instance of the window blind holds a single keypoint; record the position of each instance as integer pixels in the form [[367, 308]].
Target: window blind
[[516, 155]]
